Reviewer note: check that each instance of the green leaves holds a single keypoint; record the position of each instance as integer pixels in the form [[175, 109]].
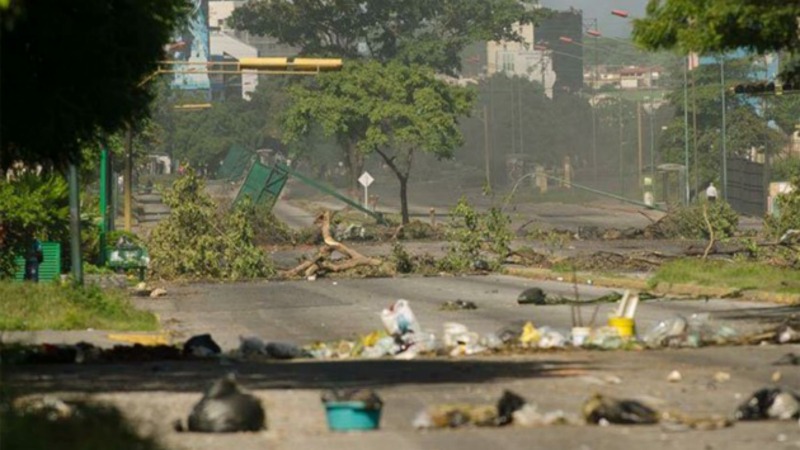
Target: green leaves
[[32, 207], [431, 33], [713, 26], [197, 241], [74, 73]]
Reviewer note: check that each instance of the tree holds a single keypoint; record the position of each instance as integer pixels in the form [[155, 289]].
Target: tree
[[747, 127], [713, 26], [392, 110], [73, 71], [426, 32]]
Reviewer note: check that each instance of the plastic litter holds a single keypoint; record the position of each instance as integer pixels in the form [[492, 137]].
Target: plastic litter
[[398, 319], [283, 350], [606, 338], [202, 346], [600, 409], [770, 403], [530, 335]]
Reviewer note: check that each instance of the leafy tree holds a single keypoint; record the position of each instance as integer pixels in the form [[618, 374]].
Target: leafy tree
[[33, 207], [73, 71], [712, 26], [746, 124], [391, 110], [425, 32]]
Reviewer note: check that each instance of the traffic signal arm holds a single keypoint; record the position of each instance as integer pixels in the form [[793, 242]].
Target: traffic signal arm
[[291, 64]]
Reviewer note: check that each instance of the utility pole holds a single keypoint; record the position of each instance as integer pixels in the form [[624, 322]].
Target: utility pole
[[724, 137], [486, 150], [686, 130], [639, 129], [128, 178], [75, 225]]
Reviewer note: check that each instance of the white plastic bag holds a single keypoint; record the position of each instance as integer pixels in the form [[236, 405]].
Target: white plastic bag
[[399, 320]]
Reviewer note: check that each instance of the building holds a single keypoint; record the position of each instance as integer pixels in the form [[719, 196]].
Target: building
[[221, 10], [562, 35], [226, 48]]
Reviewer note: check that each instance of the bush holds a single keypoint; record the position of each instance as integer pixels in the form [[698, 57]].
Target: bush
[[470, 233], [789, 212], [688, 222], [32, 206], [196, 241]]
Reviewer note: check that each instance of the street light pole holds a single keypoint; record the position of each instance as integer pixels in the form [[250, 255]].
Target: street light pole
[[686, 129], [724, 147]]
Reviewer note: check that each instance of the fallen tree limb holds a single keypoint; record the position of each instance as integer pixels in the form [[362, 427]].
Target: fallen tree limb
[[322, 263]]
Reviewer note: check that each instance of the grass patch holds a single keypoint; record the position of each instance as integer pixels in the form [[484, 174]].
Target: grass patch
[[737, 274], [35, 306]]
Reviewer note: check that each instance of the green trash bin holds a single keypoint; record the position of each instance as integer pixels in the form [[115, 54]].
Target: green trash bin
[[49, 269]]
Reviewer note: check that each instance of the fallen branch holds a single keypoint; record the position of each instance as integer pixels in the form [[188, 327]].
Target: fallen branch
[[322, 263], [712, 237]]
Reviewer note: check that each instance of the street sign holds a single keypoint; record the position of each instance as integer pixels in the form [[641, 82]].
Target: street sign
[[365, 179]]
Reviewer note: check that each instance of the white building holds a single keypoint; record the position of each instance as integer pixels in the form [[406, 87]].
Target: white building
[[229, 48], [521, 59]]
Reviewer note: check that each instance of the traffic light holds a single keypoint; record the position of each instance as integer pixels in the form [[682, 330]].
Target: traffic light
[[764, 88], [287, 65]]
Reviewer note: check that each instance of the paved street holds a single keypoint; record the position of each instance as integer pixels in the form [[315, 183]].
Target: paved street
[[325, 309]]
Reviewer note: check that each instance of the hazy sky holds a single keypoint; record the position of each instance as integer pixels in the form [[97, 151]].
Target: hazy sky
[[601, 10]]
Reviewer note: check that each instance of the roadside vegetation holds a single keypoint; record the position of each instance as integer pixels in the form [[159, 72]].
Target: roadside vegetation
[[40, 306], [743, 275], [198, 241]]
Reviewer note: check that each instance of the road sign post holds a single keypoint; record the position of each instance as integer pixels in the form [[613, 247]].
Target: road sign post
[[366, 179]]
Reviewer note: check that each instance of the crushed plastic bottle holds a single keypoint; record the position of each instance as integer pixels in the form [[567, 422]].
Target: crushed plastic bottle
[[666, 331]]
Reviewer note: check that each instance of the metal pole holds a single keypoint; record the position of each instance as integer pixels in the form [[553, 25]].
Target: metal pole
[[594, 112], [694, 137], [128, 179], [724, 148], [75, 225], [686, 129], [639, 135], [521, 130], [621, 149], [103, 203], [486, 147], [652, 140]]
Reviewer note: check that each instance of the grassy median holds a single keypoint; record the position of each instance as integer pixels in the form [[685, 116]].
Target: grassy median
[[733, 274], [39, 306]]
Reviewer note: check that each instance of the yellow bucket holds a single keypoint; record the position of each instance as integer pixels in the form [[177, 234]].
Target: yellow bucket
[[624, 326]]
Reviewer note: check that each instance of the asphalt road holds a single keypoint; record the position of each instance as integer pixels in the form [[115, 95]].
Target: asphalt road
[[330, 309], [154, 394]]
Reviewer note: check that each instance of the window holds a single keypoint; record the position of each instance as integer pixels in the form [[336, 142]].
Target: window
[[508, 62]]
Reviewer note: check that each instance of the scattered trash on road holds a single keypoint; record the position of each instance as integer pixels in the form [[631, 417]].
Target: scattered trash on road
[[604, 410], [225, 408], [458, 305], [770, 403], [201, 346], [533, 295], [352, 409]]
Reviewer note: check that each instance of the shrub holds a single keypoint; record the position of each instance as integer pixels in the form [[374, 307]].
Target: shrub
[[196, 241], [470, 232], [789, 212], [689, 222]]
